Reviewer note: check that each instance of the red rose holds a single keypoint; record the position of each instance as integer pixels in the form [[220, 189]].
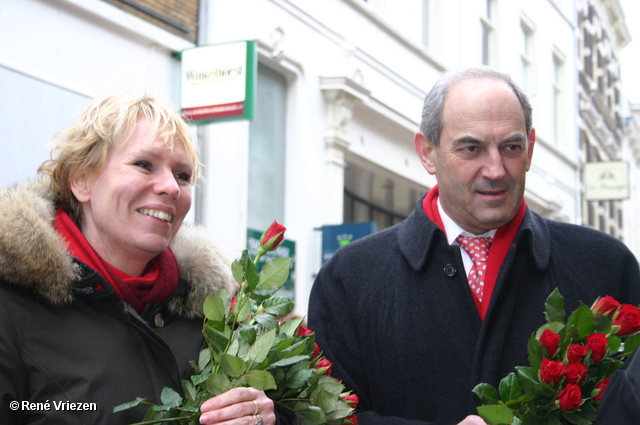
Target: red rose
[[550, 371], [574, 372], [549, 340], [597, 343], [601, 386], [303, 331], [352, 400], [628, 319], [570, 398], [576, 353], [272, 237], [605, 305], [351, 419], [316, 351], [324, 366]]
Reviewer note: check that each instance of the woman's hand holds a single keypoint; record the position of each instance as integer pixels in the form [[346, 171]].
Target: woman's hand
[[239, 406]]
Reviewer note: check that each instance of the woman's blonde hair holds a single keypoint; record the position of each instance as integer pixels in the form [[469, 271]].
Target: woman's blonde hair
[[81, 150]]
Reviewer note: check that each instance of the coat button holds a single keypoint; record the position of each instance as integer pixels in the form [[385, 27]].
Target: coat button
[[158, 320], [449, 270]]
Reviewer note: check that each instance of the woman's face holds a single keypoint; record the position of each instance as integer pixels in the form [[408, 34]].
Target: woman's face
[[134, 207]]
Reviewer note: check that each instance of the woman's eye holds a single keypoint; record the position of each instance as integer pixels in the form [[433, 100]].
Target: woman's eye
[[184, 176], [143, 164]]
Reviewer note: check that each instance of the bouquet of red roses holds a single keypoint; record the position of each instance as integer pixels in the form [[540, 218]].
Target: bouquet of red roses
[[570, 365], [246, 344]]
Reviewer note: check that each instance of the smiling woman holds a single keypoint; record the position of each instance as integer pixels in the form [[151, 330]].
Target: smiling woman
[[101, 284]]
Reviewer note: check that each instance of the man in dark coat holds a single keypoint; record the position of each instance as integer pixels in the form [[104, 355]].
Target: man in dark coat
[[620, 404], [395, 311]]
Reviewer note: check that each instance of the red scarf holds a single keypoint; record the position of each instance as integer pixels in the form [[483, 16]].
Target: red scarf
[[157, 283], [499, 247]]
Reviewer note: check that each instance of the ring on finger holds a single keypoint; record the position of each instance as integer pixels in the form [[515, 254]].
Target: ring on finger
[[255, 412]]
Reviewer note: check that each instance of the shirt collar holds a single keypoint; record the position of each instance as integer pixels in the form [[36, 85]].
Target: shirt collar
[[452, 229]]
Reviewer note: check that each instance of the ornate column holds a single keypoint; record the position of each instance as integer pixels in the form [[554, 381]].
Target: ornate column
[[341, 94]]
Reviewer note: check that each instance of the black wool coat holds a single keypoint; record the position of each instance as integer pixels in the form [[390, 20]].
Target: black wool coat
[[394, 313], [621, 402]]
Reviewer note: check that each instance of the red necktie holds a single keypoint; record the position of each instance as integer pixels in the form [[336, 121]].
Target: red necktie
[[478, 250]]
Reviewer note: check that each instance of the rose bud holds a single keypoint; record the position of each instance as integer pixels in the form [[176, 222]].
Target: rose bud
[[272, 237], [324, 367], [576, 353], [550, 371], [601, 386], [574, 372], [628, 319], [352, 400], [597, 343], [570, 398], [605, 305], [549, 340], [303, 331]]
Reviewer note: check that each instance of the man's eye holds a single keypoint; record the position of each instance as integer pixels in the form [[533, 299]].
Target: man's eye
[[471, 149]]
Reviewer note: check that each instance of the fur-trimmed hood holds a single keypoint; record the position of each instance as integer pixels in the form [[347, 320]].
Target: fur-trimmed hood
[[34, 256]]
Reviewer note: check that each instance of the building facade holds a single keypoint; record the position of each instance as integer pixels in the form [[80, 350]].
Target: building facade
[[340, 85]]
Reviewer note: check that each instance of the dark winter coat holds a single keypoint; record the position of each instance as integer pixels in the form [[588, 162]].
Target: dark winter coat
[[395, 315], [621, 402], [65, 345]]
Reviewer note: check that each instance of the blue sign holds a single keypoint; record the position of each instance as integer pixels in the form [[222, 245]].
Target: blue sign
[[333, 237]]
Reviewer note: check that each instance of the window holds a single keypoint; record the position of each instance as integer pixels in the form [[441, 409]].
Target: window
[[376, 196], [557, 99], [267, 151], [487, 22], [527, 29], [31, 111]]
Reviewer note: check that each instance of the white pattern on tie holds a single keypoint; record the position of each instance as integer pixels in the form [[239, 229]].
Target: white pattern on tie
[[478, 250]]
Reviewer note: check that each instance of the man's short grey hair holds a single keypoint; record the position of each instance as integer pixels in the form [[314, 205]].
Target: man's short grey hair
[[432, 110]]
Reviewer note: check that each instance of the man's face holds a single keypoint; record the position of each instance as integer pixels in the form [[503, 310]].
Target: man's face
[[483, 156]]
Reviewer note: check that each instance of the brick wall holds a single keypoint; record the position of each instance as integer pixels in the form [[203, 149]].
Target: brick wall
[[179, 17]]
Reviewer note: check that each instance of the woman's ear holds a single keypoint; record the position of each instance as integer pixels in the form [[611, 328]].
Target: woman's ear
[[81, 188]]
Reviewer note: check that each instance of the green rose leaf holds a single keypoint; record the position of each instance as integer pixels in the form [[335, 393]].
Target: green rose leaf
[[260, 349], [582, 319], [510, 388], [278, 305], [237, 271], [487, 393], [217, 384], [253, 277], [290, 327], [214, 308], [261, 380], [554, 306], [216, 339], [170, 397], [289, 361], [274, 273], [496, 415], [267, 320], [528, 377], [232, 365], [124, 406], [631, 343]]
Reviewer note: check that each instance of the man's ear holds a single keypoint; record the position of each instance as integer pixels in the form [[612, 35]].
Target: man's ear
[[81, 188], [426, 152], [531, 144]]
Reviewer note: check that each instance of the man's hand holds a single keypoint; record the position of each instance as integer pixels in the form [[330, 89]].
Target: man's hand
[[473, 420]]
